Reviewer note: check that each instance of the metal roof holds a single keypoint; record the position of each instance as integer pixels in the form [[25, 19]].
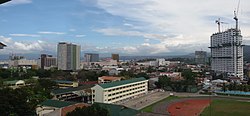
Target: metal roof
[[123, 82]]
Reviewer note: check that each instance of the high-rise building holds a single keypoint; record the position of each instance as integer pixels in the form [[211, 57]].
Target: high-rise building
[[200, 57], [68, 56], [115, 57], [227, 52], [91, 57], [47, 61]]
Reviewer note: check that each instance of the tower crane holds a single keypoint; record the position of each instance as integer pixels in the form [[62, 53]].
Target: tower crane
[[219, 24]]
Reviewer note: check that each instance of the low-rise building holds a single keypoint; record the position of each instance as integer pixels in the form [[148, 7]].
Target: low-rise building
[[65, 84], [119, 91], [14, 84], [108, 79], [80, 94], [57, 108]]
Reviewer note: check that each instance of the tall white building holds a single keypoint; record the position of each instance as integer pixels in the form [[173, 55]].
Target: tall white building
[[68, 56], [227, 52]]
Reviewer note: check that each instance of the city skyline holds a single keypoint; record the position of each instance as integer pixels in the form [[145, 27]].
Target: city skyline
[[124, 27]]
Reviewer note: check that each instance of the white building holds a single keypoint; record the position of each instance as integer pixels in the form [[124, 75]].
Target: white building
[[23, 63], [119, 91], [227, 52], [161, 62], [68, 56]]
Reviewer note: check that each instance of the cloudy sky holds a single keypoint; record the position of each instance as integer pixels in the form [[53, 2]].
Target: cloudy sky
[[129, 27]]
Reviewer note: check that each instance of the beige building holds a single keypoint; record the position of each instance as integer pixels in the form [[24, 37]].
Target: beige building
[[119, 91], [66, 84], [108, 79], [14, 84]]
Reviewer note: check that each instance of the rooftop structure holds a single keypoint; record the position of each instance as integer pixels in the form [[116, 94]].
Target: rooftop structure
[[108, 79]]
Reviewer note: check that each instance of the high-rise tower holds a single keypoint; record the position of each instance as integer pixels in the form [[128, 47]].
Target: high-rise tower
[[68, 56]]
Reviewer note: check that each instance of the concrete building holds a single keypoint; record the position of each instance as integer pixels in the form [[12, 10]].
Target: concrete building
[[14, 84], [57, 108], [66, 84], [47, 61], [91, 57], [108, 79], [115, 57], [79, 94], [227, 53], [161, 62], [24, 63], [119, 91], [200, 57], [68, 56]]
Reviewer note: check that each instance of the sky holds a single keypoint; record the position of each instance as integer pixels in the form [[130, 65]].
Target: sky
[[137, 27]]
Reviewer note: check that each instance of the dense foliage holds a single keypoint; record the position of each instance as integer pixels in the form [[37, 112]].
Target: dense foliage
[[23, 101], [94, 110]]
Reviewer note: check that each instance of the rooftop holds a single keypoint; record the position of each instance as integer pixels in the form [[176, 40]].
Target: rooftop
[[12, 82], [118, 110], [69, 90], [111, 78], [123, 82], [56, 103], [62, 81]]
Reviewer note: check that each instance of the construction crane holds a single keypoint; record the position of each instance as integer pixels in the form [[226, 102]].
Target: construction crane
[[236, 16], [219, 24]]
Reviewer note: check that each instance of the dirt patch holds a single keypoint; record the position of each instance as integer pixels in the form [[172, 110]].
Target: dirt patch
[[191, 107]]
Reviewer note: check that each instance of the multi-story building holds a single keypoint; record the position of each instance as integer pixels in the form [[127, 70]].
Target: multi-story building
[[20, 61], [68, 56], [200, 57], [115, 57], [227, 52], [119, 91], [47, 61], [91, 57]]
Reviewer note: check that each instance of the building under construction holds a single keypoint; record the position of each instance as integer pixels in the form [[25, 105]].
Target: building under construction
[[227, 51]]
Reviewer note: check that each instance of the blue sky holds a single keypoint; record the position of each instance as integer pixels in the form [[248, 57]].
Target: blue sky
[[141, 27]]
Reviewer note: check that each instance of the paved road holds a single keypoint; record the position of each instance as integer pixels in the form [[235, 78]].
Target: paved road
[[146, 100]]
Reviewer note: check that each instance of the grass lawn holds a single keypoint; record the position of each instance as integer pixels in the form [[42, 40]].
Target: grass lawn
[[227, 108], [150, 107]]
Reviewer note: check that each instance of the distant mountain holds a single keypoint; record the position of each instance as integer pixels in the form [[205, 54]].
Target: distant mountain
[[246, 52]]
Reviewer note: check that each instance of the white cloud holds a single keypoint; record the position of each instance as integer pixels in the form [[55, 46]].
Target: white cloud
[[179, 26], [79, 36], [24, 35], [24, 47], [5, 39], [16, 2], [50, 32]]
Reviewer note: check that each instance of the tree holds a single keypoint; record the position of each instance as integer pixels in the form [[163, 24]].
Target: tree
[[94, 110], [142, 74], [164, 82]]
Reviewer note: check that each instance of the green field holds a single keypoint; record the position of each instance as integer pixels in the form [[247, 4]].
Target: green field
[[150, 107], [227, 108]]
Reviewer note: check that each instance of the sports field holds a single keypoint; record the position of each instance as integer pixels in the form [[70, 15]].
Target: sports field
[[191, 107], [227, 108]]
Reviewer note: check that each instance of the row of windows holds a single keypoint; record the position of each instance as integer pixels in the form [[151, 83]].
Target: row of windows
[[126, 90], [126, 95], [119, 88]]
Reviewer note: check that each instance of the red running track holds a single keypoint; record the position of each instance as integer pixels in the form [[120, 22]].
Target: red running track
[[191, 107]]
